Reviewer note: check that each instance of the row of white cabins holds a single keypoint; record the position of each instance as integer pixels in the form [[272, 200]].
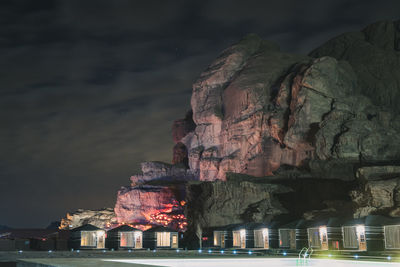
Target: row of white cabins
[[372, 233]]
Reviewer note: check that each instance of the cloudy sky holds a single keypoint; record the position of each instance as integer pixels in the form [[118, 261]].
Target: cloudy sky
[[89, 89]]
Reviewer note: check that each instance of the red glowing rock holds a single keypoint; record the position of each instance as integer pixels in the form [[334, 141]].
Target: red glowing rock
[[149, 205]]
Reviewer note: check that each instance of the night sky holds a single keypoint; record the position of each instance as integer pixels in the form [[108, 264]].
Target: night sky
[[89, 89]]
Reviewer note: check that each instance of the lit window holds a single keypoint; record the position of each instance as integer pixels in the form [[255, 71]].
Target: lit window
[[261, 238], [163, 239], [236, 238], [88, 238], [127, 239], [217, 238], [392, 236]]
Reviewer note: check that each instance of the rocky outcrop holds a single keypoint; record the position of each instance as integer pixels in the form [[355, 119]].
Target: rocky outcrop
[[257, 108], [236, 130], [378, 191], [100, 218], [371, 173], [310, 137], [374, 54], [155, 197], [180, 128], [160, 171], [222, 203], [141, 204]]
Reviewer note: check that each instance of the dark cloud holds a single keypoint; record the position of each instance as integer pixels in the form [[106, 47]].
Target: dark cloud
[[89, 89]]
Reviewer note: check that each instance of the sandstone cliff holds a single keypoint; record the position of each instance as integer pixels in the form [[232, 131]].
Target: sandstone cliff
[[257, 108], [273, 135]]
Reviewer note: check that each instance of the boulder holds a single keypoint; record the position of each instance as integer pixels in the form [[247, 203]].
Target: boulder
[[382, 196]]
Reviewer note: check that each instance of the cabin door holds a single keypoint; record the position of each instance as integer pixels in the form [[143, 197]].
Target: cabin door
[[362, 242], [324, 238], [265, 238], [242, 239], [174, 238], [138, 240], [101, 239], [292, 236]]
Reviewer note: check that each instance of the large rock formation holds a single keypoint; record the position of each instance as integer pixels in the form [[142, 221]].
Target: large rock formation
[[257, 108], [303, 136]]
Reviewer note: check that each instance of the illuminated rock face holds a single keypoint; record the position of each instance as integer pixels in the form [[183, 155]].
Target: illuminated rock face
[[257, 108], [238, 128], [99, 218], [142, 203], [257, 111], [138, 204]]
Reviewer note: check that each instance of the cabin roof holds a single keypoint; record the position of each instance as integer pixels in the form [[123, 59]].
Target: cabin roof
[[255, 226], [297, 224], [328, 222], [123, 228], [161, 229], [393, 221], [86, 227], [371, 220]]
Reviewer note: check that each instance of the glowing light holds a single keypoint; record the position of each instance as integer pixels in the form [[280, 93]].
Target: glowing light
[[177, 250], [19, 251], [200, 251], [234, 252], [50, 251], [78, 251], [360, 229], [154, 250], [284, 253], [330, 255], [222, 252], [323, 230], [104, 251], [265, 232], [389, 258], [129, 250], [242, 232], [209, 251], [356, 256], [250, 252]]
